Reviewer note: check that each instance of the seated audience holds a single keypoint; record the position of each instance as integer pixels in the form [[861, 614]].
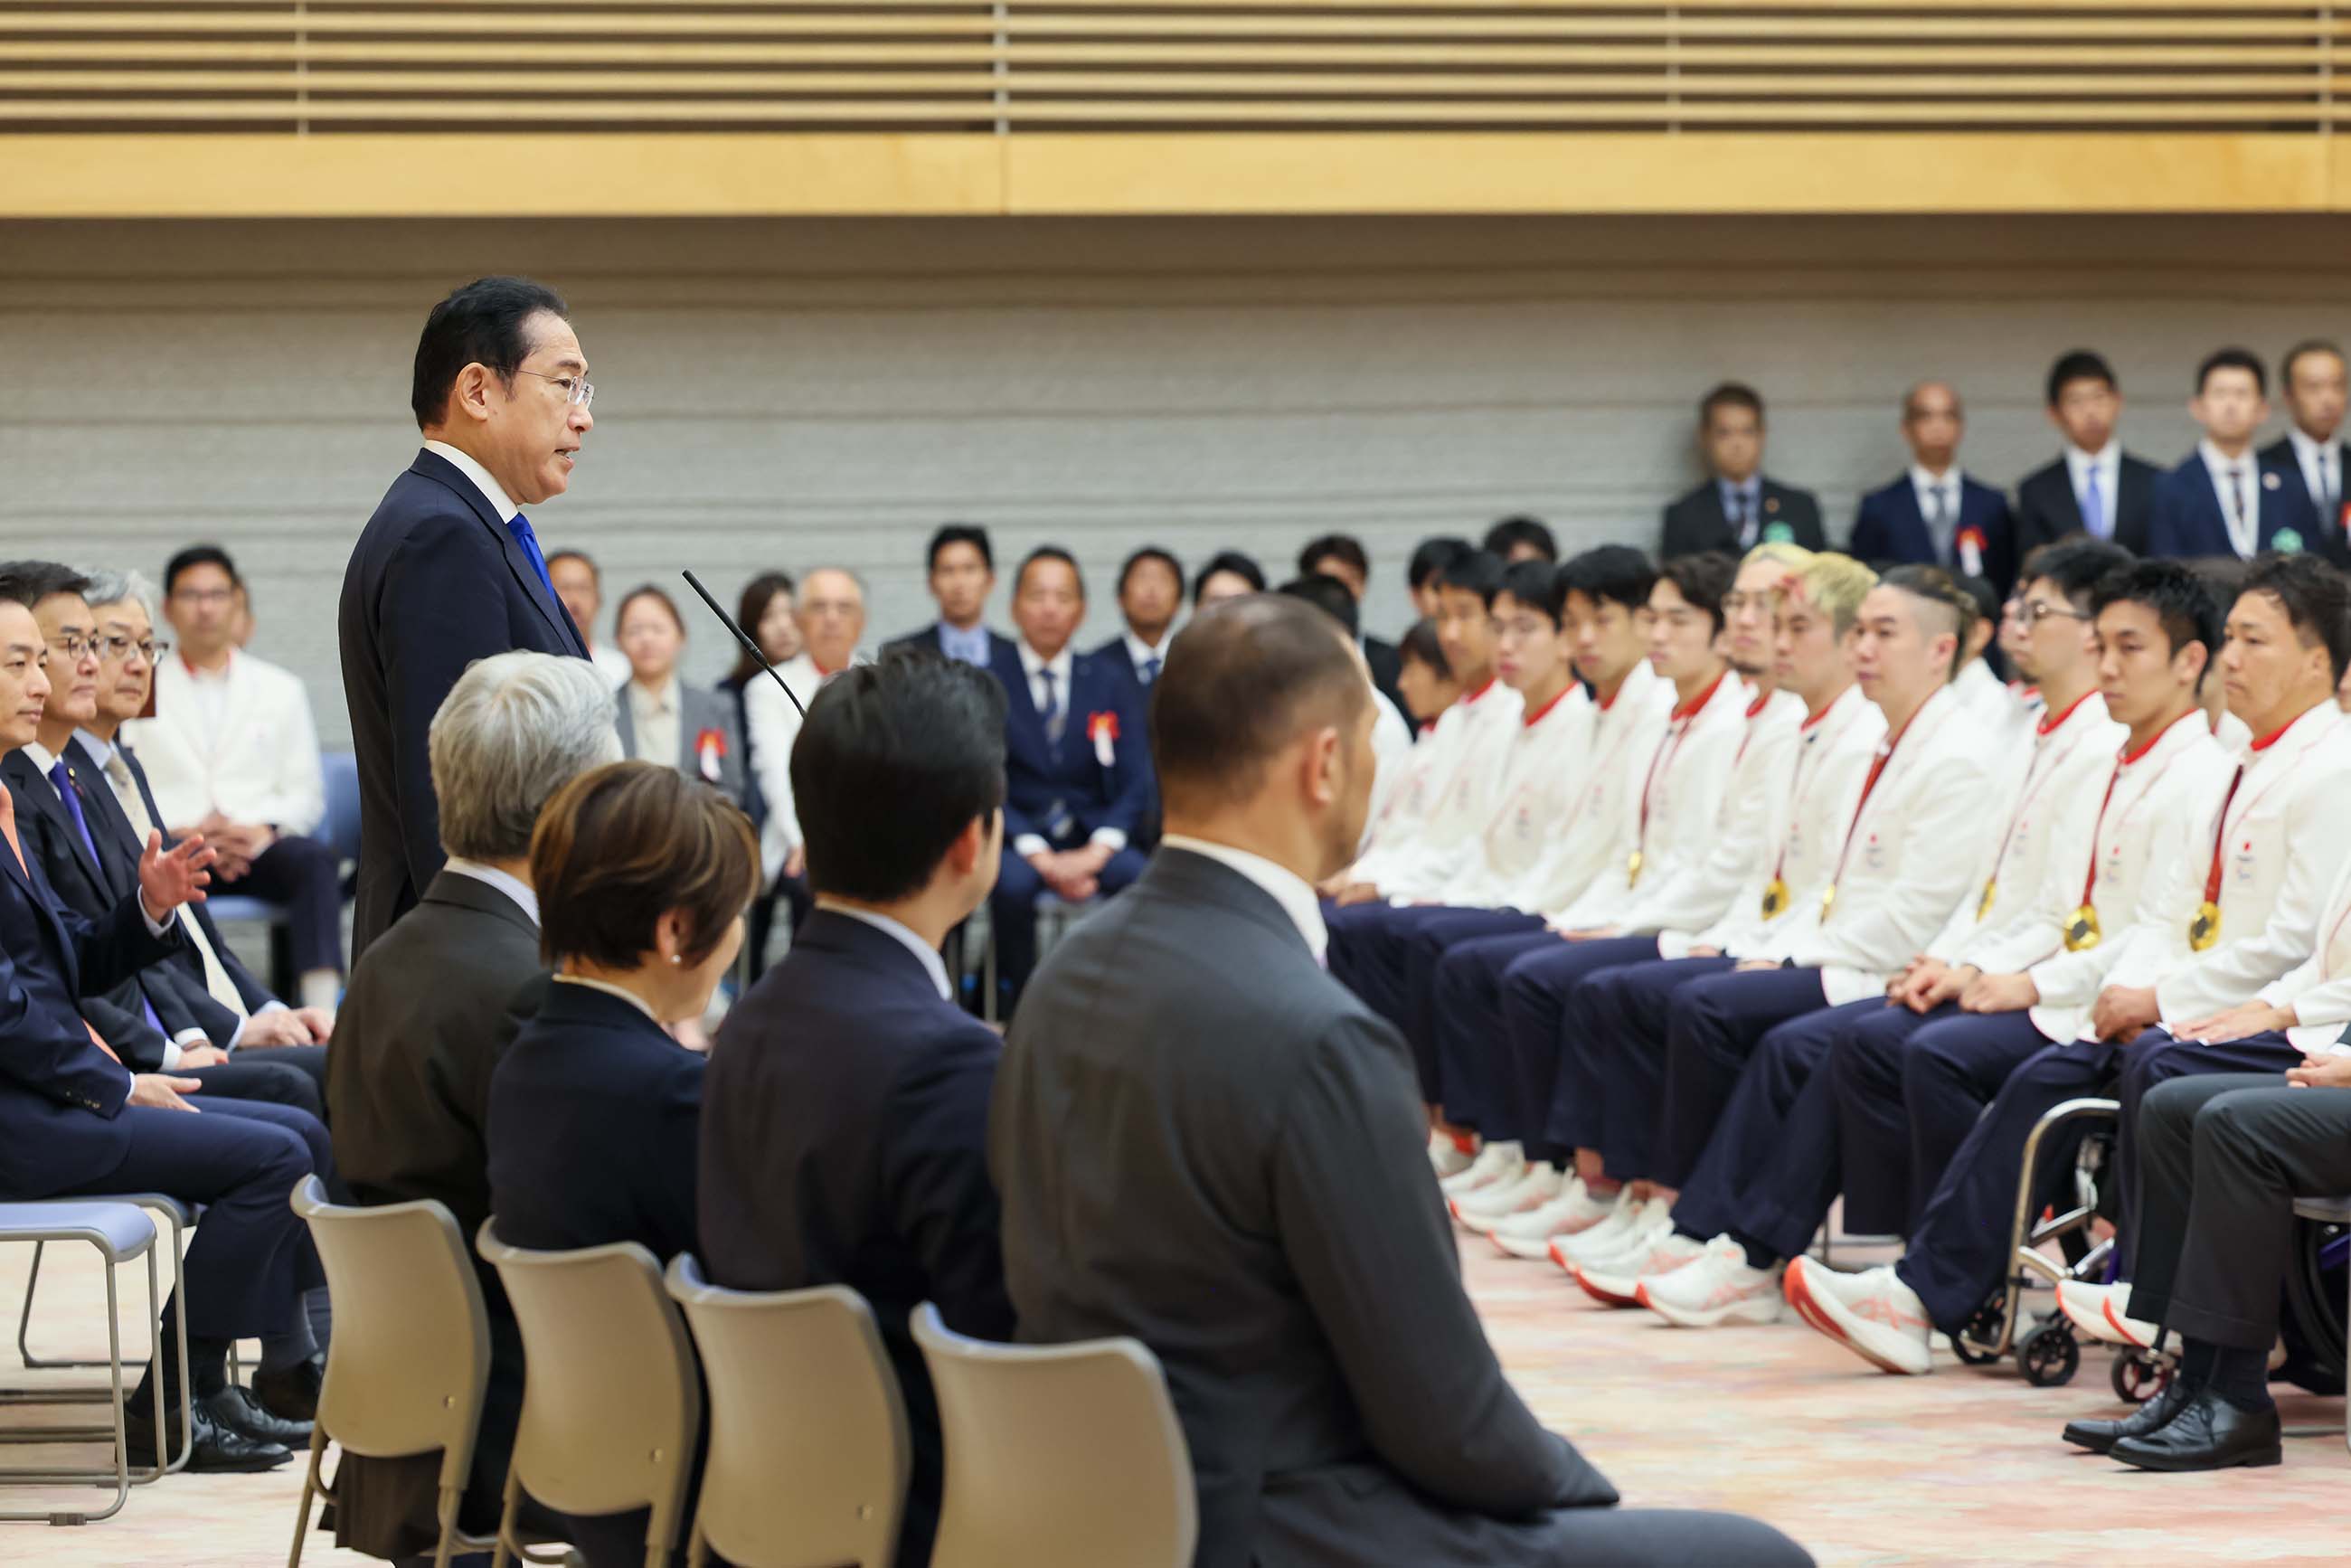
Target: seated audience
[[1077, 767], [1342, 556], [581, 586], [1429, 560], [643, 875], [2094, 487], [661, 718], [1738, 508], [831, 619], [845, 1133], [1228, 575], [232, 754], [1234, 1174], [2225, 499], [1391, 745], [1522, 538], [433, 1006], [74, 1122], [962, 576], [1935, 515], [1150, 593], [1424, 679], [765, 610], [2312, 376]]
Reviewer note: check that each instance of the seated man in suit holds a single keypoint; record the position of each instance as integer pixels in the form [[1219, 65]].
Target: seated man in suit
[[2312, 377], [962, 576], [232, 754], [1522, 538], [1150, 592], [832, 617], [1935, 515], [74, 1122], [1737, 507], [2095, 487], [845, 1129], [2224, 500], [581, 586], [1077, 767], [433, 1006], [1234, 1174], [1342, 556]]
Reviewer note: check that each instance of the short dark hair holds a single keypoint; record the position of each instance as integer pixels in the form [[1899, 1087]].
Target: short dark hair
[[2316, 597], [1049, 552], [1421, 642], [1730, 394], [1702, 579], [1151, 552], [27, 582], [1617, 572], [2079, 365], [581, 556], [1230, 561], [1511, 532], [2307, 346], [1938, 587], [1346, 548], [1240, 680], [1432, 555], [195, 556], [2184, 605], [1983, 598], [1478, 573], [1328, 594], [750, 609], [894, 761], [970, 534], [2077, 567], [647, 590], [623, 844], [481, 323], [1535, 584], [2233, 359]]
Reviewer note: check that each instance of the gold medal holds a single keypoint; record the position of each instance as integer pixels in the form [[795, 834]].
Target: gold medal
[[1775, 898], [1828, 900], [1633, 869], [1983, 905], [2205, 929], [2082, 929]]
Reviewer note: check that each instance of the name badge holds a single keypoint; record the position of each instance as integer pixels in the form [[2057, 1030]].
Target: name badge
[[1873, 853], [2243, 866]]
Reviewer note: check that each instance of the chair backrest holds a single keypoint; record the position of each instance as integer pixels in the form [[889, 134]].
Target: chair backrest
[[611, 1408], [341, 769], [1058, 1456], [808, 1458], [411, 1353]]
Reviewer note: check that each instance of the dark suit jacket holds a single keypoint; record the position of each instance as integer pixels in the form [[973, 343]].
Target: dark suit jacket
[[2187, 523], [844, 1141], [2327, 539], [434, 582], [927, 637], [2047, 510], [1697, 521], [697, 710], [1038, 773], [430, 1009], [1889, 529], [1228, 1174]]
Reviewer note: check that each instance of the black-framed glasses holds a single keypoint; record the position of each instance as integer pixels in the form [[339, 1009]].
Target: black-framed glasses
[[74, 648], [576, 389], [120, 647]]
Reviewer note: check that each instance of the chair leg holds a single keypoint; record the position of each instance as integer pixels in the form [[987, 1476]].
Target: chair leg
[[25, 1318], [450, 1497], [506, 1539], [310, 1489], [697, 1548]]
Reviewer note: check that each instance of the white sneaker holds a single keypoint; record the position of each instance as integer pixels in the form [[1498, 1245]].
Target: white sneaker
[[2136, 1331], [1590, 1212], [1529, 1234], [1495, 1162], [2084, 1305], [1481, 1211], [1632, 1225], [1445, 1156], [1873, 1314], [1717, 1287], [1615, 1281]]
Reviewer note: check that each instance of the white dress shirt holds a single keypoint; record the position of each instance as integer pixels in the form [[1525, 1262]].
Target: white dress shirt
[[2322, 473], [1142, 654], [2108, 463], [898, 932], [1939, 503], [2236, 485], [513, 887], [1036, 664], [1285, 886], [492, 491]]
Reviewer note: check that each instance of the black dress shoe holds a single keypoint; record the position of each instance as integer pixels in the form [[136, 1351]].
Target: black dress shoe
[[291, 1393], [2100, 1437], [217, 1449], [236, 1409], [2208, 1434]]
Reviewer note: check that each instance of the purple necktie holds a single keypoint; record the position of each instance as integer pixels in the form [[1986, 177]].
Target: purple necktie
[[62, 777]]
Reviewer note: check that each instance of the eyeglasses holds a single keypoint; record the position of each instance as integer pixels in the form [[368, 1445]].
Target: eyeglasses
[[120, 647], [74, 648], [2033, 612], [575, 390]]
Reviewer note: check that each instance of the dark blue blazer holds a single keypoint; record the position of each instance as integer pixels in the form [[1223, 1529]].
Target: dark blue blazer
[[61, 1097], [927, 637], [845, 1141], [1890, 528], [2187, 523], [434, 582], [1038, 773], [1115, 656]]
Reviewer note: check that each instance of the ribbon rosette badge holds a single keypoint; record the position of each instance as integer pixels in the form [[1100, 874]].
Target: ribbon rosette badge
[[1970, 548], [709, 749], [1101, 728]]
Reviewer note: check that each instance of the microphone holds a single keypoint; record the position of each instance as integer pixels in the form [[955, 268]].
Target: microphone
[[744, 637]]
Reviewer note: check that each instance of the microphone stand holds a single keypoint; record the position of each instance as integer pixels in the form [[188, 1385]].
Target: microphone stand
[[744, 637]]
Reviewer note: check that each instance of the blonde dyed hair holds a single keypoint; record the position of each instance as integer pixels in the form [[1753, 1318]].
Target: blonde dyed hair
[[1835, 585]]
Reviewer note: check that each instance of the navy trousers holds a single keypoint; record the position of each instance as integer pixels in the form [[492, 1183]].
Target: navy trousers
[[1616, 1020], [1713, 1028], [251, 1259], [2157, 1058], [1927, 1099], [1467, 1057], [305, 875], [1550, 1057], [1012, 914], [1390, 960]]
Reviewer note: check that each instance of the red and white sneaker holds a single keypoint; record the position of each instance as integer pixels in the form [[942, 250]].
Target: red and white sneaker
[[1717, 1287], [2084, 1305], [1481, 1211], [1449, 1155], [1873, 1314], [1633, 1225], [1495, 1162], [1616, 1281]]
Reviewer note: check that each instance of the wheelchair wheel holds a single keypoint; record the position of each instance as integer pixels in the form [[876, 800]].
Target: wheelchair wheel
[[2137, 1376], [1984, 1329], [2048, 1354]]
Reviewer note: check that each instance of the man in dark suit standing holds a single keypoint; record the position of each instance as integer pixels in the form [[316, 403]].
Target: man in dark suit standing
[[449, 570], [1342, 556], [962, 576], [1738, 509], [1150, 592], [1078, 770], [1236, 1175], [2313, 377], [2094, 487], [1935, 515], [844, 1121], [2225, 501]]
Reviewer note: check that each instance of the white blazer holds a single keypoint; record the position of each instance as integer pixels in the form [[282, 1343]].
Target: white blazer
[[773, 723], [1443, 810], [1748, 821], [260, 764], [2319, 987], [1586, 836], [1541, 773]]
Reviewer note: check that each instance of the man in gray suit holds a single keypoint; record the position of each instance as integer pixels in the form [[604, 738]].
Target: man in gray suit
[[1202, 1140]]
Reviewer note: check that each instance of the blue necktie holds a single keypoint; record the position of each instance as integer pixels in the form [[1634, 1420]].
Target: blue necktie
[[1151, 669], [62, 777], [520, 528], [1055, 720], [2093, 505]]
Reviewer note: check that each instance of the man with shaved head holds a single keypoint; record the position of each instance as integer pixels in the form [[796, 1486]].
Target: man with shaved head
[[1202, 1140], [1934, 515]]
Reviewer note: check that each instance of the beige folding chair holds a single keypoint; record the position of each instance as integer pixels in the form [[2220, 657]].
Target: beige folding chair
[[808, 1458], [411, 1353], [611, 1407], [1058, 1456]]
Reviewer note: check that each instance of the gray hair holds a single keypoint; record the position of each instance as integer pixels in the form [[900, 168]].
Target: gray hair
[[516, 729], [108, 586]]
